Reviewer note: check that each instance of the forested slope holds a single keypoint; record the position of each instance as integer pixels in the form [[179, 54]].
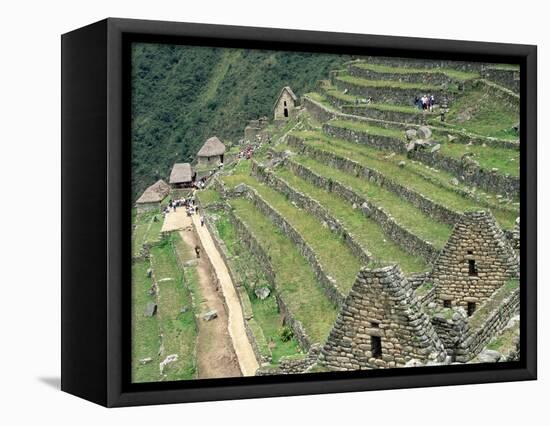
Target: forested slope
[[183, 95]]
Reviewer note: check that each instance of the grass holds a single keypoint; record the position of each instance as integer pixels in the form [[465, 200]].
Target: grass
[[478, 112], [266, 322], [295, 280], [424, 289], [333, 91], [367, 232], [504, 159], [369, 129], [178, 329], [477, 318], [392, 108], [404, 213], [334, 255], [317, 97], [208, 196], [452, 73], [488, 157], [390, 84], [145, 330], [411, 176], [145, 230], [505, 342]]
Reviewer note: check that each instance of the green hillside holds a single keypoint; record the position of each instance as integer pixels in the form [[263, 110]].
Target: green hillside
[[182, 95]]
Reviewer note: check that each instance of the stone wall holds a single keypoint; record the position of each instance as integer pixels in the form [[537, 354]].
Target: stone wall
[[314, 207], [367, 111], [328, 284], [381, 325], [476, 339], [462, 168], [318, 111], [425, 63], [451, 325], [508, 78], [423, 203], [397, 233], [294, 364], [250, 241], [278, 111], [435, 78], [478, 239], [504, 95], [390, 95]]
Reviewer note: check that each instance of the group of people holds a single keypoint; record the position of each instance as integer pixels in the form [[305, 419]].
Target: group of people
[[425, 102], [246, 152]]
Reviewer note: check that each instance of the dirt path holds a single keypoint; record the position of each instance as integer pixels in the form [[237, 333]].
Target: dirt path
[[215, 355], [243, 349]]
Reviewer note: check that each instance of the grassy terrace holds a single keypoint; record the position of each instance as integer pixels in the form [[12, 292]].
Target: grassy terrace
[[208, 196], [178, 329], [485, 116], [333, 91], [333, 254], [389, 84], [476, 320], [506, 160], [452, 73], [367, 231], [404, 213], [378, 160], [295, 280], [266, 312], [364, 127], [393, 108], [145, 330], [146, 230]]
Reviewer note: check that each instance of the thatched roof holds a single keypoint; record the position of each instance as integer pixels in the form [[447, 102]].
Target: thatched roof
[[155, 193], [212, 147], [181, 173], [290, 92]]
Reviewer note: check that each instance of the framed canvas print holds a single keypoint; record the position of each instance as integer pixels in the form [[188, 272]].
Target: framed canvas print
[[253, 212]]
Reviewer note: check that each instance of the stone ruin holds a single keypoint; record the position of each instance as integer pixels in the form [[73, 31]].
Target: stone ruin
[[255, 130], [475, 262], [384, 324], [381, 325]]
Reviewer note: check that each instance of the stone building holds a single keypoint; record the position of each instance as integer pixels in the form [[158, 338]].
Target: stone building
[[182, 176], [255, 130], [152, 196], [285, 105], [381, 325], [211, 153], [475, 262]]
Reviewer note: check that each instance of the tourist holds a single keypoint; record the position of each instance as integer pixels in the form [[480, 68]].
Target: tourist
[[432, 102], [198, 251], [202, 221]]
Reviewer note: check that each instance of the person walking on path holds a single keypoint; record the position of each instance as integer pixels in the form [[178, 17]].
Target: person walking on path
[[198, 251], [202, 220]]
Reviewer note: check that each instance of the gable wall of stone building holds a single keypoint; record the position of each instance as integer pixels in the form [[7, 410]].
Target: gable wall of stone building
[[475, 238], [381, 305], [280, 107]]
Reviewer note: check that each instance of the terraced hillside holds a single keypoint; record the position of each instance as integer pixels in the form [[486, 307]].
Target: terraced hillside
[[339, 187], [334, 227]]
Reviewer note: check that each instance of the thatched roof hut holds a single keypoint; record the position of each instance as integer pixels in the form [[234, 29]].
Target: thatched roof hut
[[155, 193], [211, 148], [182, 173]]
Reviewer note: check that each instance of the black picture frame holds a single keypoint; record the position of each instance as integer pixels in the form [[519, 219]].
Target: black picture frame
[[96, 192]]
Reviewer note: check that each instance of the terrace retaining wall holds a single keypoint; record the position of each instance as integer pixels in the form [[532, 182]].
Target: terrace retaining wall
[[435, 78], [404, 238], [468, 171], [314, 207], [423, 203], [329, 284]]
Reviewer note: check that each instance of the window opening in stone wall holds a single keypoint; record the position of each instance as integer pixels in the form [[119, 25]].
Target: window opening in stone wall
[[376, 346], [284, 103], [446, 303], [471, 308], [375, 324], [472, 268]]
